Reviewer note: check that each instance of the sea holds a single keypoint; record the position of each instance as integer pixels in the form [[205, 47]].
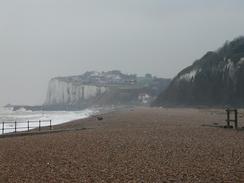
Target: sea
[[9, 117]]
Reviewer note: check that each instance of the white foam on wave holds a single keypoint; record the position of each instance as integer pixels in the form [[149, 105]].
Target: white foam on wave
[[57, 117]]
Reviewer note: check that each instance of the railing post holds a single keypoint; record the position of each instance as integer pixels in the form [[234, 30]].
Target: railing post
[[28, 125], [236, 119], [39, 125], [15, 127], [3, 128], [228, 117], [50, 125]]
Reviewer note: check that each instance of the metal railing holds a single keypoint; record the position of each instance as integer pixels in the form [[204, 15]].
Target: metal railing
[[14, 126]]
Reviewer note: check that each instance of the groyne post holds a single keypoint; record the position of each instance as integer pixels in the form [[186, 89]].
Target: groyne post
[[229, 119]]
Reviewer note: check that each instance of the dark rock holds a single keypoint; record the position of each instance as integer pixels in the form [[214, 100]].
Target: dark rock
[[99, 118], [228, 126], [214, 80]]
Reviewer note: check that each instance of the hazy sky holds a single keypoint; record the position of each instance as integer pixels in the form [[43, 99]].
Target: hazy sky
[[40, 39]]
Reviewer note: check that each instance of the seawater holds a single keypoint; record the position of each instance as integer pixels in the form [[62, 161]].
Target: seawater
[[58, 117]]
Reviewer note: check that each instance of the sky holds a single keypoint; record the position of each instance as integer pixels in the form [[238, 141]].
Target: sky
[[41, 39]]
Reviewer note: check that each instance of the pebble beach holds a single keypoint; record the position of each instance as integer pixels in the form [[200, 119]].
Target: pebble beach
[[132, 145]]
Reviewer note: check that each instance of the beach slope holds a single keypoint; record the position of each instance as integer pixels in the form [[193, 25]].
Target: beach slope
[[134, 145]]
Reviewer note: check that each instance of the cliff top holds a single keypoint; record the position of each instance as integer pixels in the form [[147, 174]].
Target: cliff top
[[113, 77]]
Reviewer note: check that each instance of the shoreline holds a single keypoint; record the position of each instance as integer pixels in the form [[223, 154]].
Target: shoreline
[[21, 131], [134, 145]]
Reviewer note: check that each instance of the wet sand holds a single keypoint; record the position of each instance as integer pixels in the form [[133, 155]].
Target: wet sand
[[139, 145]]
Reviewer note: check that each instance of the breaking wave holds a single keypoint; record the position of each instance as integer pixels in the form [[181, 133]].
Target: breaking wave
[[7, 114]]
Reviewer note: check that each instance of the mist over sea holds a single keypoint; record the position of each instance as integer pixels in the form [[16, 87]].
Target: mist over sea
[[58, 117]]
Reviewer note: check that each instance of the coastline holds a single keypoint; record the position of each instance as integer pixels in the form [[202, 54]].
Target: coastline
[[132, 145], [46, 120]]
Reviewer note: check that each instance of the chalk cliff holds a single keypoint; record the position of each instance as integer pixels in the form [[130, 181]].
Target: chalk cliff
[[66, 92], [102, 88]]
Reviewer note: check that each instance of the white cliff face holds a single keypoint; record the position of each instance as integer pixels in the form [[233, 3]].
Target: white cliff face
[[61, 92]]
